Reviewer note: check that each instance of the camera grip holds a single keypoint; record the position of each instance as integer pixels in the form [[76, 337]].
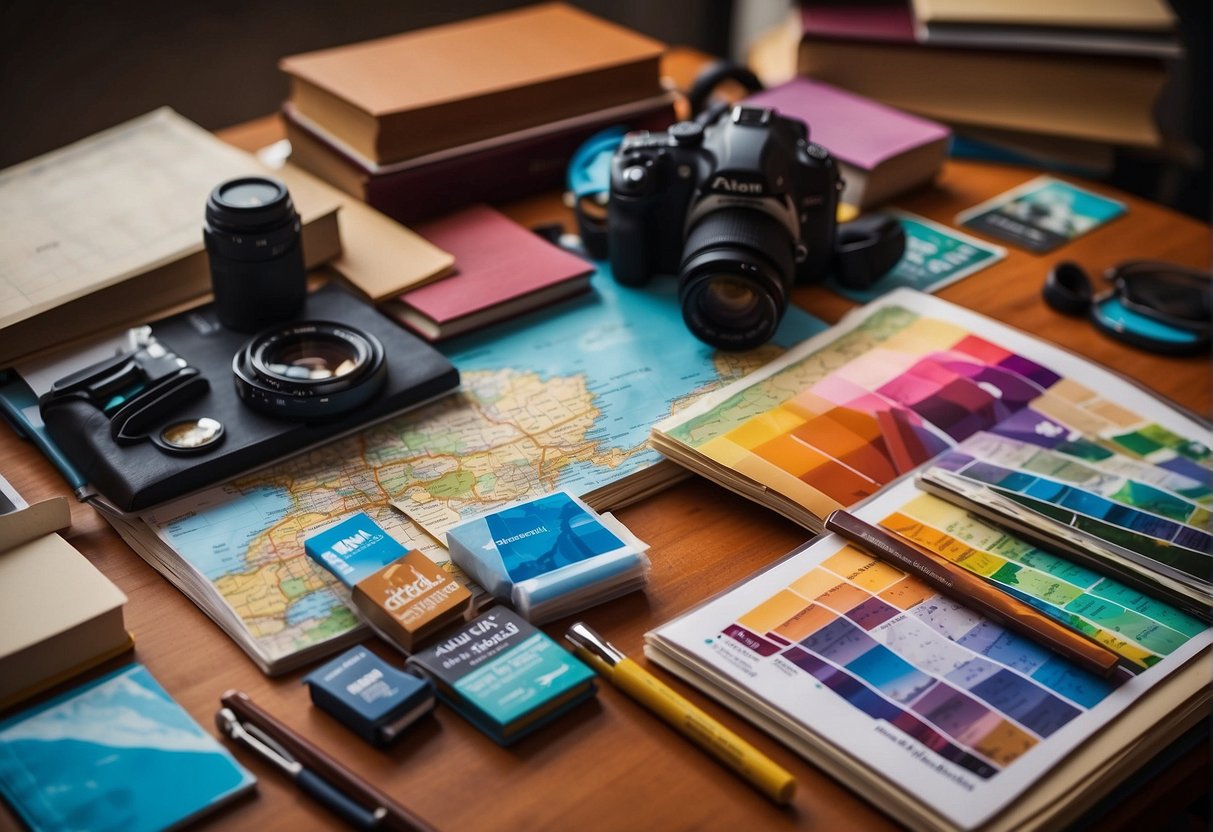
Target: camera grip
[[627, 242]]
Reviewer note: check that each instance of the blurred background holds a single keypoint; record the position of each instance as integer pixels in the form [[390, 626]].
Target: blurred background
[[71, 70]]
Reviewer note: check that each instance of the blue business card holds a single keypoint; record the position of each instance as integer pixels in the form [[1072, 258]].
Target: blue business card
[[354, 549]]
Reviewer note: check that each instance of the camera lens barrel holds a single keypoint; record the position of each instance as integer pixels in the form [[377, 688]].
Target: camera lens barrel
[[738, 266], [252, 235], [309, 370]]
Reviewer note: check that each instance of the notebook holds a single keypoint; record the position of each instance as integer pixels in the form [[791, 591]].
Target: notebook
[[115, 753]]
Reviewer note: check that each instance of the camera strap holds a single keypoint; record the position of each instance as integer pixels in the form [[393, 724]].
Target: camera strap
[[866, 248], [588, 183]]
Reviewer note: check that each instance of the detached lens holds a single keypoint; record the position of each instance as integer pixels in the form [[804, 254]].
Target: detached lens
[[1171, 294], [253, 243], [312, 356], [310, 370], [737, 271]]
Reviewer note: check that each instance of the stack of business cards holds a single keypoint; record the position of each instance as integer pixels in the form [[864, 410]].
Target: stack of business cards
[[550, 556], [504, 675]]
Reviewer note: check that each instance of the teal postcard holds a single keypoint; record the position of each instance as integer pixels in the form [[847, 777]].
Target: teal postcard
[[115, 754], [1042, 214]]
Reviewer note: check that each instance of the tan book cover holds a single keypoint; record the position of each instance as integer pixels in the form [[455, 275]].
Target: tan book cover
[[410, 599], [402, 96], [1060, 95], [1144, 15], [60, 615]]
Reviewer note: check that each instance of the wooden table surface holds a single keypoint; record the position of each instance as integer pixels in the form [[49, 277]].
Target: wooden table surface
[[611, 764]]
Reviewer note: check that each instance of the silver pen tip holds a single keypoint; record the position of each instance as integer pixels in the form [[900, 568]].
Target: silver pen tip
[[580, 635]]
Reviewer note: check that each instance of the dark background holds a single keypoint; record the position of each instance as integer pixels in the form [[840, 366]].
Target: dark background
[[68, 69]]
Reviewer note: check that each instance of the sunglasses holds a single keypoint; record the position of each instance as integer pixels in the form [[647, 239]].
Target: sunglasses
[[1155, 306]]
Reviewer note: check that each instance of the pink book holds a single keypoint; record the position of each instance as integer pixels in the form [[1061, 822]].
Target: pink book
[[881, 151], [501, 270]]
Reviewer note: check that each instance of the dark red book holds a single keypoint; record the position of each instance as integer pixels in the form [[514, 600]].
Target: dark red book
[[500, 169], [890, 22]]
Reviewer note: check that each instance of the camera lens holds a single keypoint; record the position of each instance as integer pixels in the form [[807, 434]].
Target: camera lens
[[252, 235], [311, 356], [737, 271], [310, 370]]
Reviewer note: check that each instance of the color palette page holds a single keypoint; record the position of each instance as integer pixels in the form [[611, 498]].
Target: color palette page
[[900, 382], [1157, 514], [876, 667]]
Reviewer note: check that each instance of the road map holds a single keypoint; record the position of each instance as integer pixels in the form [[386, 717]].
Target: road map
[[561, 398]]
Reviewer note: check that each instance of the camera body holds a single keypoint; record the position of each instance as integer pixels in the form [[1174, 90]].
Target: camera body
[[390, 370], [746, 195], [193, 400]]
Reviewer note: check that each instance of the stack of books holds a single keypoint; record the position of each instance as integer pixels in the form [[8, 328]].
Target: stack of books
[[61, 615], [1058, 83], [487, 109]]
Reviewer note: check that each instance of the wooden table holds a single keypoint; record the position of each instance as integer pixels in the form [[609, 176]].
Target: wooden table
[[611, 764]]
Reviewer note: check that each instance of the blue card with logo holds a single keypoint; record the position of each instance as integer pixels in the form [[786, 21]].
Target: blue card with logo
[[354, 549]]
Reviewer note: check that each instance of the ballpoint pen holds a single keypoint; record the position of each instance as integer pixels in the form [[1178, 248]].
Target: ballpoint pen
[[730, 749], [973, 592], [313, 771]]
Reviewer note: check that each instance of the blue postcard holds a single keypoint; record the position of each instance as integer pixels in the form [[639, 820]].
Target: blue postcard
[[549, 556], [116, 753]]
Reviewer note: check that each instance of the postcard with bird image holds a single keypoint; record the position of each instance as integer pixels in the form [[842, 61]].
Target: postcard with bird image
[[1041, 215]]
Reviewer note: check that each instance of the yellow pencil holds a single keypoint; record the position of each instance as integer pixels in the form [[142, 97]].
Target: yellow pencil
[[762, 772]]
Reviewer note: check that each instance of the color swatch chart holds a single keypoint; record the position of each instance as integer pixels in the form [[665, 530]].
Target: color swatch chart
[[899, 389], [975, 694], [1160, 512]]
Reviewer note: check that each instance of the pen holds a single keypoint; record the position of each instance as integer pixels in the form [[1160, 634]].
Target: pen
[[970, 590], [315, 772], [693, 723]]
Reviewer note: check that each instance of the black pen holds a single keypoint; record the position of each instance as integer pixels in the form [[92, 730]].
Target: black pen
[[315, 772]]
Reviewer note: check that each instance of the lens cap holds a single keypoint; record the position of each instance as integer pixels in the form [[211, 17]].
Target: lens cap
[[249, 202]]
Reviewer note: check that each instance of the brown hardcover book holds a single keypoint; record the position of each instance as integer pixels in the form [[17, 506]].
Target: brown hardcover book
[[402, 96]]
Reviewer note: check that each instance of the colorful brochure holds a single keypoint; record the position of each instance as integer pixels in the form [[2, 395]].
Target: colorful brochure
[[943, 718]]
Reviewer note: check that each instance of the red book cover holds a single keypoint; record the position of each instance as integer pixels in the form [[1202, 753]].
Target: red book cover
[[501, 270], [891, 22]]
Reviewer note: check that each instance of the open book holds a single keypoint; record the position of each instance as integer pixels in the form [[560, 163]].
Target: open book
[[903, 381], [940, 717]]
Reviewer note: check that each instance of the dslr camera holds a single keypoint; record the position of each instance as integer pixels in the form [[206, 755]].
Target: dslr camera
[[742, 208]]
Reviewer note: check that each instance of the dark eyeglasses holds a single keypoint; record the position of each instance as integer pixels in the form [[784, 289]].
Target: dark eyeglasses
[[1156, 306]]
